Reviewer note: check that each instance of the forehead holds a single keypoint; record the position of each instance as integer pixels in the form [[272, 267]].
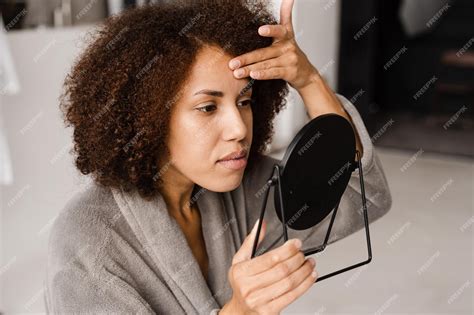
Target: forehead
[[211, 71]]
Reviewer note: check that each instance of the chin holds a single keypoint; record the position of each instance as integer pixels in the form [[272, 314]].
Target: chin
[[227, 183]]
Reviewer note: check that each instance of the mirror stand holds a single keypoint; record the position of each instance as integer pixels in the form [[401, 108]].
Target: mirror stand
[[275, 180]]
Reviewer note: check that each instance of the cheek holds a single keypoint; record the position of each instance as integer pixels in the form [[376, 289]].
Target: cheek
[[193, 143]]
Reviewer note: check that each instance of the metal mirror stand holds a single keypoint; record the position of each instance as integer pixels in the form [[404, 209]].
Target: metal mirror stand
[[275, 180]]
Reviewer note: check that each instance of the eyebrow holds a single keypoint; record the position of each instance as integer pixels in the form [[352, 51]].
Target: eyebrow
[[219, 93]]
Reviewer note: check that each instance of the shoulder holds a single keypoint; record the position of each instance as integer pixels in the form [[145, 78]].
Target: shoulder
[[83, 270], [81, 229]]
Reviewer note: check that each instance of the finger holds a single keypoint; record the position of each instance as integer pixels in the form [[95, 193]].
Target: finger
[[286, 12], [279, 32], [272, 258], [278, 272], [287, 298], [263, 65], [256, 56], [245, 251], [286, 284], [270, 74]]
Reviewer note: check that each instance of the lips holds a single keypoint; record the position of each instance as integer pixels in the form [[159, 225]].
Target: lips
[[234, 155]]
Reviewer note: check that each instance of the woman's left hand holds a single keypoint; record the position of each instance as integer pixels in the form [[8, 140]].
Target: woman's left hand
[[282, 60], [285, 60]]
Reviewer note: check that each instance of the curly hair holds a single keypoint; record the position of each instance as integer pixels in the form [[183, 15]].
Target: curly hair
[[118, 94]]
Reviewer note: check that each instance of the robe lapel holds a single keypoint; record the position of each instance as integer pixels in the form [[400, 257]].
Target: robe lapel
[[166, 244], [220, 245]]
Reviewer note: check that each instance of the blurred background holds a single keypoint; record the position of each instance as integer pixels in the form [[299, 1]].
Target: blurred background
[[408, 67]]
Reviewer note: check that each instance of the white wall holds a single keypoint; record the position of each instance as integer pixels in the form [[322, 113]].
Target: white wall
[[316, 25], [44, 176]]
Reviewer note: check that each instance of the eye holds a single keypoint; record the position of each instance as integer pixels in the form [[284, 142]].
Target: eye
[[247, 102], [205, 108]]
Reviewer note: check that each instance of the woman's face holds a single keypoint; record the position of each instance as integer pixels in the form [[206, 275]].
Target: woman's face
[[211, 118]]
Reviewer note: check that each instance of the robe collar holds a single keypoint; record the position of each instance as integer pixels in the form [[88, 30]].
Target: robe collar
[[166, 244]]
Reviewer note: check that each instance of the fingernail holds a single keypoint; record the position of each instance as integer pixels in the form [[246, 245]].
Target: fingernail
[[255, 226], [313, 274], [239, 72], [264, 30], [312, 261], [234, 64], [297, 243]]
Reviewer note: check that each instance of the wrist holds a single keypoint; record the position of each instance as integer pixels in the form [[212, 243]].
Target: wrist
[[229, 308], [319, 99], [314, 79]]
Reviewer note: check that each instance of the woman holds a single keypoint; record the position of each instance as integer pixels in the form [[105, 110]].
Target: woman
[[173, 138]]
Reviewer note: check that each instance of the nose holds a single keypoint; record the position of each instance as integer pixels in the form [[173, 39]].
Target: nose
[[233, 124]]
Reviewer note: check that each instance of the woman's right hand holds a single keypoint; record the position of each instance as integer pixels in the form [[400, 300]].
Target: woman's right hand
[[270, 282]]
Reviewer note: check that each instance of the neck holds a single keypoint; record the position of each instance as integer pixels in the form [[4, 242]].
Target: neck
[[176, 190], [178, 199]]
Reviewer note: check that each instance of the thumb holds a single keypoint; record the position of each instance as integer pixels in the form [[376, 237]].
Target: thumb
[[245, 251]]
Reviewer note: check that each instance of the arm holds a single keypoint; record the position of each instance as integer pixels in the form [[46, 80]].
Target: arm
[[319, 99]]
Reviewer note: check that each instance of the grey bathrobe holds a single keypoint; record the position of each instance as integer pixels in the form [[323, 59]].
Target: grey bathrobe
[[113, 252]]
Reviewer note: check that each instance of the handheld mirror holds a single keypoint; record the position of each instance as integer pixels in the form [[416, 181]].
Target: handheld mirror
[[311, 178]]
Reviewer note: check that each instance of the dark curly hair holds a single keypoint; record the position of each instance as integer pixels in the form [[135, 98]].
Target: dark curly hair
[[119, 92]]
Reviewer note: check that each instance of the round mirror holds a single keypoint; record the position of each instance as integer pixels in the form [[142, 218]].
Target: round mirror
[[315, 171]]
